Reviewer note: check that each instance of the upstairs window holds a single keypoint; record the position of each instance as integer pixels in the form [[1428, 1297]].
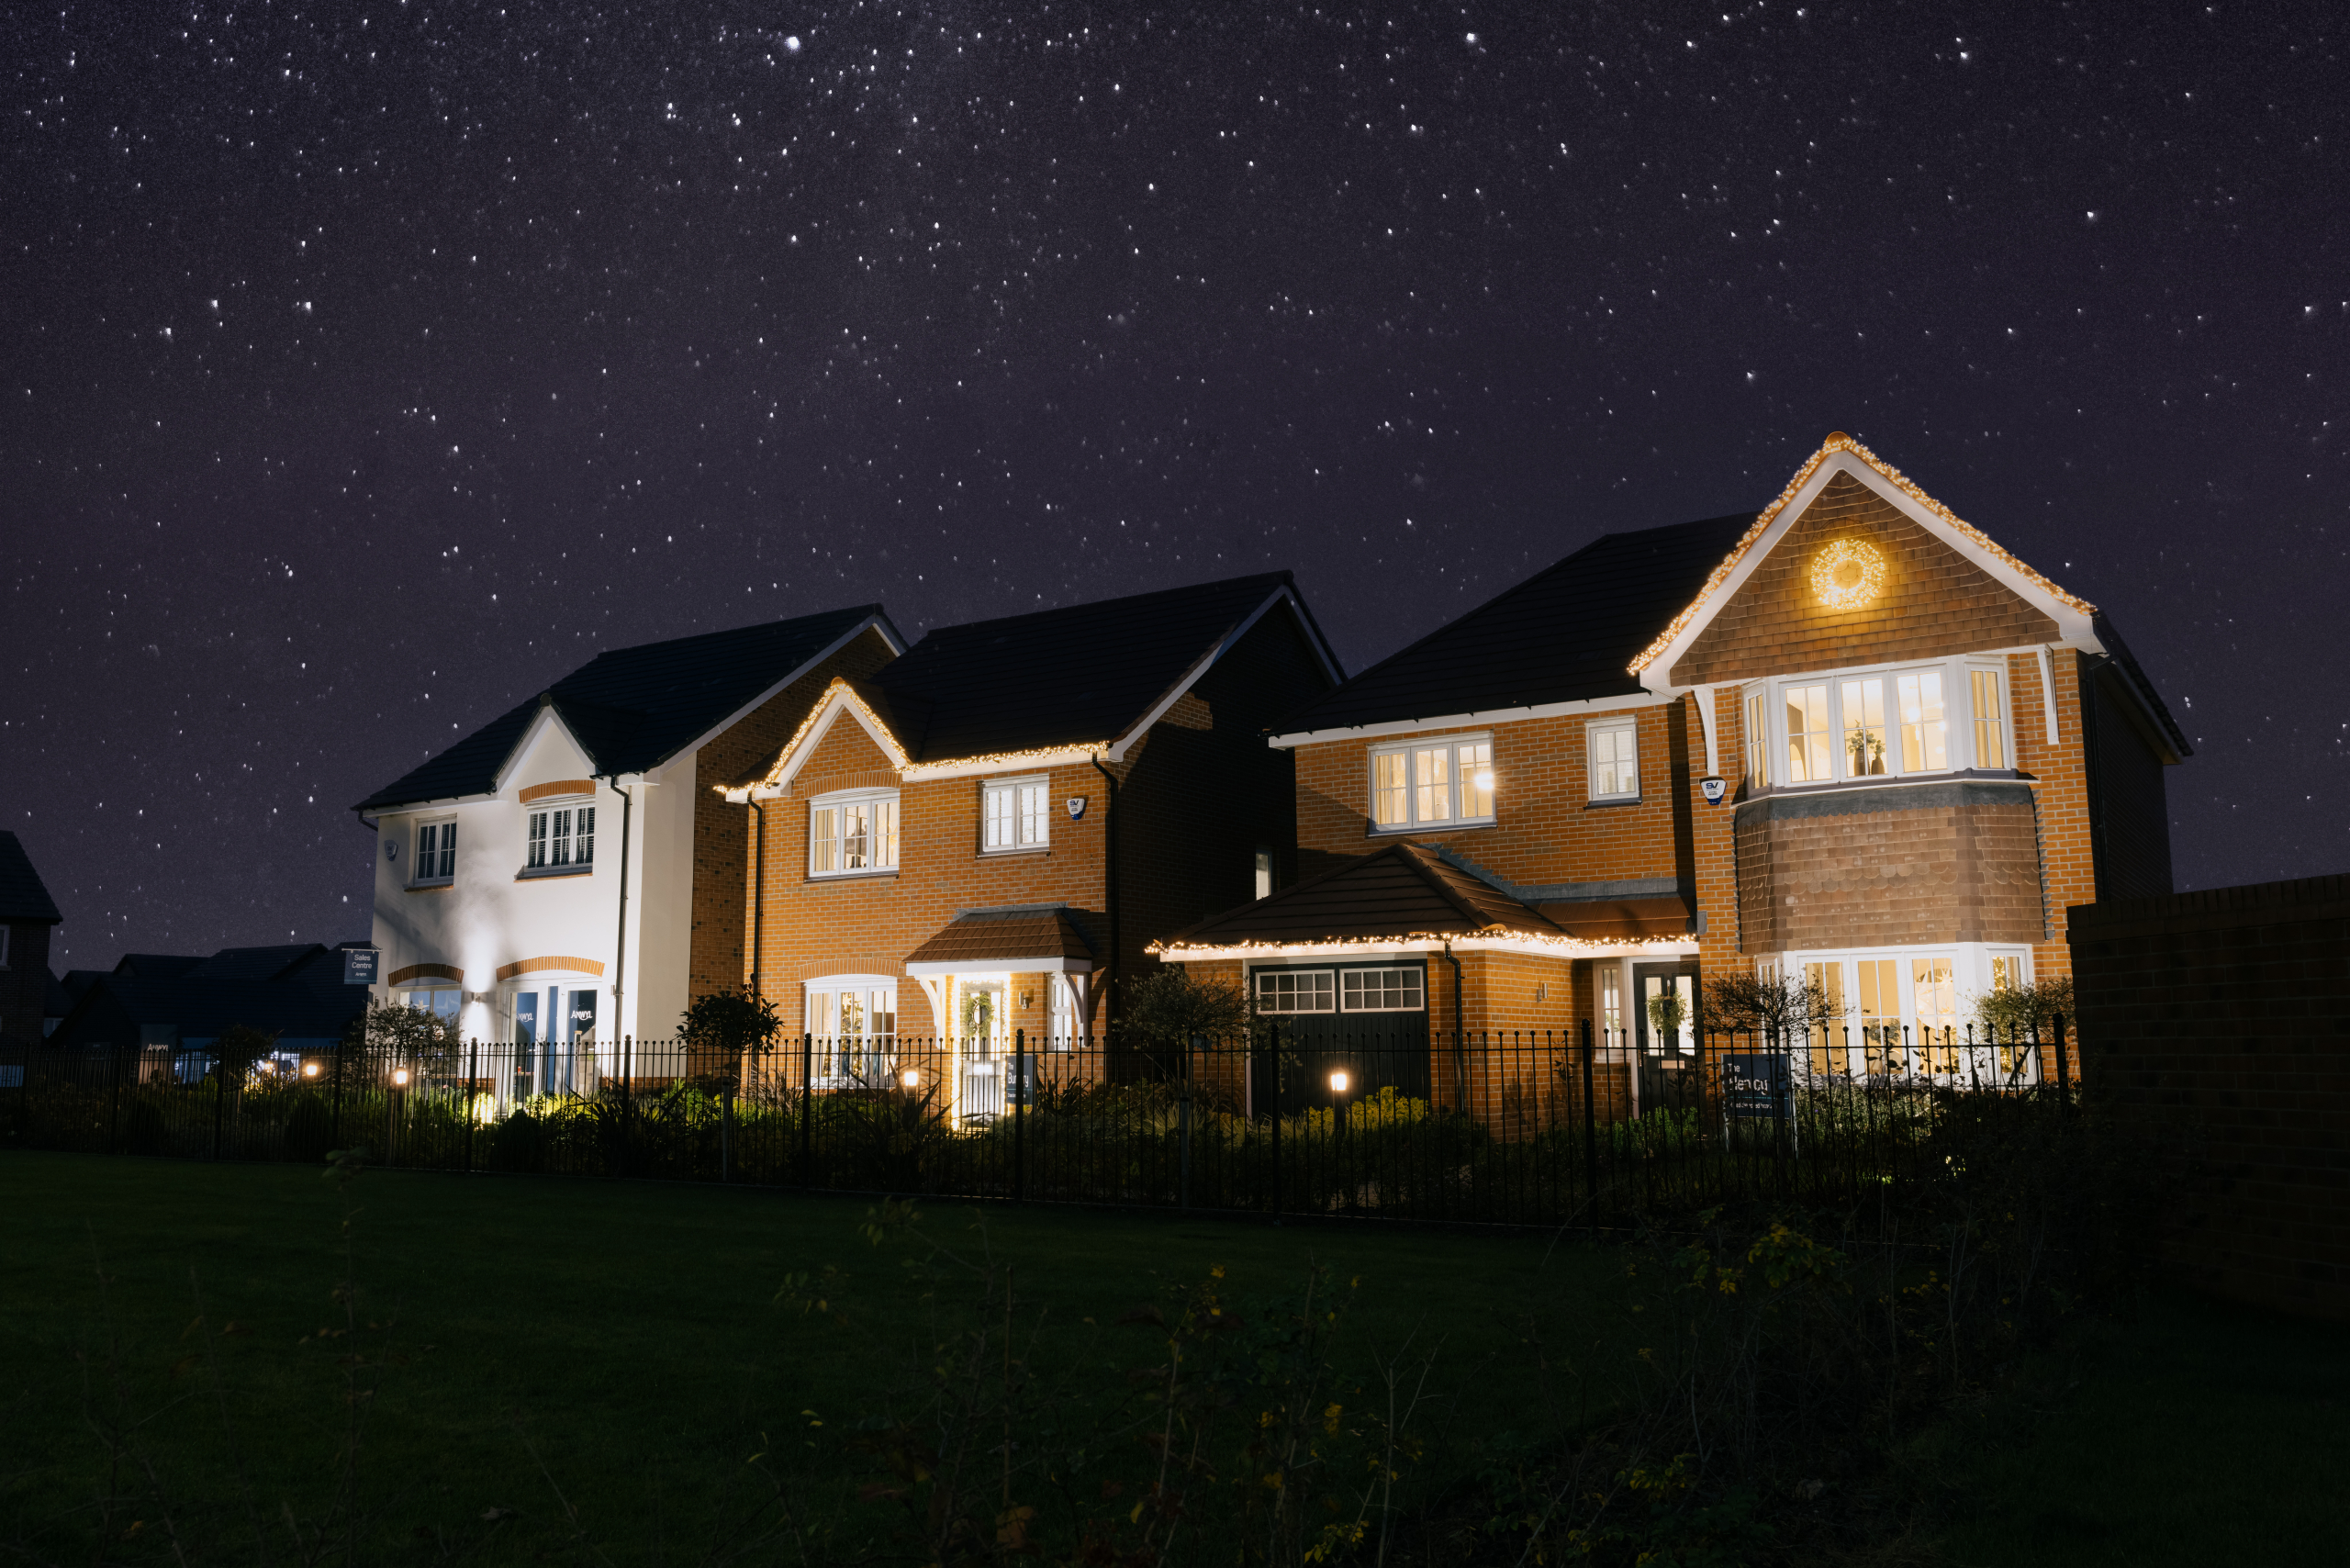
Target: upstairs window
[[560, 837], [1807, 734], [853, 836], [1871, 725], [436, 851], [1990, 716], [1612, 748], [1758, 740], [1016, 813], [1449, 784]]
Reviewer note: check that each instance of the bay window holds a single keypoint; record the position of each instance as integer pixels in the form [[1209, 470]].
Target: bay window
[[1448, 784], [853, 835], [1872, 724]]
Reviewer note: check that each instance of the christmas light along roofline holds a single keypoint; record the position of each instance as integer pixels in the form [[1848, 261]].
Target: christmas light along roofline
[[1492, 936], [1839, 442], [906, 766]]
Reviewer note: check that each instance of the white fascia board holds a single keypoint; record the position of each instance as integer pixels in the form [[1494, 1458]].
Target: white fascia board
[[871, 623], [1582, 705], [1003, 966], [409, 807], [1015, 762], [1350, 952], [1132, 737], [2075, 627]]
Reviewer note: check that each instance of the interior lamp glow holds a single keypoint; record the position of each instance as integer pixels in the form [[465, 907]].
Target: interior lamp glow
[[1847, 574], [1338, 1083]]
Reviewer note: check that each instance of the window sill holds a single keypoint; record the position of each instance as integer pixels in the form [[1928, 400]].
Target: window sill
[[1888, 781], [1611, 802], [1008, 854], [889, 875], [432, 887], [541, 873], [1412, 829]]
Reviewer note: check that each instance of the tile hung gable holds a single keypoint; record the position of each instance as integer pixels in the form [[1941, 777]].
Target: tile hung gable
[[1935, 601]]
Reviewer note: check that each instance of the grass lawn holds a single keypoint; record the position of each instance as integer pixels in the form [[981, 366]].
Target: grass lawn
[[617, 1343], [2191, 1433]]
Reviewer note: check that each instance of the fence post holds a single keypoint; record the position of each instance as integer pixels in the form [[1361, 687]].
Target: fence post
[[220, 1098], [114, 1107], [726, 1133], [1590, 1132], [1274, 1072], [807, 1099], [1019, 1087], [334, 1110], [1183, 1119], [2063, 1075], [473, 1072]]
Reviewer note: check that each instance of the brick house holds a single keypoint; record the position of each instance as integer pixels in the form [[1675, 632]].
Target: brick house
[[1851, 739], [979, 837], [561, 874]]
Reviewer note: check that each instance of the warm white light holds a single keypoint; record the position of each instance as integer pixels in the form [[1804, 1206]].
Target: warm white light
[[1847, 574], [399, 1078], [1337, 1083], [914, 1079], [1484, 779], [309, 1070]]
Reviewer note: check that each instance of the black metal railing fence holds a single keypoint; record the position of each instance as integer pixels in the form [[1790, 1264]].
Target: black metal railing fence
[[1529, 1128]]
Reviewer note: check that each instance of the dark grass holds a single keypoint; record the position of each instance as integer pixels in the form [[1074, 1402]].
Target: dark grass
[[615, 1342], [2184, 1431]]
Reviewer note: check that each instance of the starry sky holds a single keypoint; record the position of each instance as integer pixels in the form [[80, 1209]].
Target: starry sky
[[368, 365]]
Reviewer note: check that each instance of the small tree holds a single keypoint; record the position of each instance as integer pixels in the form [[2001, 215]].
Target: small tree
[[723, 1027], [1783, 1007], [1169, 1008], [413, 1037], [237, 1048], [2008, 1012]]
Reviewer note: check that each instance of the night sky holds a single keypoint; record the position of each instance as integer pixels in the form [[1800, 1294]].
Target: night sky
[[368, 365]]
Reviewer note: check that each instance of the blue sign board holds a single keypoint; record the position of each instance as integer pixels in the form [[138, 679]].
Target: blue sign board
[[1756, 1085], [359, 965]]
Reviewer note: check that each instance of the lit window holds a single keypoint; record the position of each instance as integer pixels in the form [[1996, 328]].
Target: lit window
[[442, 1000], [1990, 741], [1925, 728], [1428, 785], [1935, 996], [1264, 873], [853, 836], [1808, 729], [1295, 991], [1382, 990], [853, 1026], [1863, 728], [436, 851], [2007, 971], [1613, 750], [1016, 813], [1611, 1006], [560, 837], [1758, 739]]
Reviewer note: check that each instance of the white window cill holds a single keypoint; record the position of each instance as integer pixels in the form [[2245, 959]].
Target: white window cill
[[1612, 751]]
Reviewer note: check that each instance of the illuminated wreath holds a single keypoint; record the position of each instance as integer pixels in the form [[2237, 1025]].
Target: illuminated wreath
[[1847, 574]]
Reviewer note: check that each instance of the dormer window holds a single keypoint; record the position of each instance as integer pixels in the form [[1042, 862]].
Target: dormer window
[[436, 852]]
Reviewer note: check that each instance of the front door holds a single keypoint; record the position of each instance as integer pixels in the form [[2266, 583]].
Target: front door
[[1664, 1026]]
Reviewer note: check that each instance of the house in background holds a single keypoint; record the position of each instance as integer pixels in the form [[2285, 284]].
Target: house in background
[[979, 837], [1850, 740], [172, 1008], [565, 873], [27, 915]]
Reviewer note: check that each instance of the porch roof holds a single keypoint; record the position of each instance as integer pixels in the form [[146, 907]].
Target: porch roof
[[1032, 939], [1402, 891]]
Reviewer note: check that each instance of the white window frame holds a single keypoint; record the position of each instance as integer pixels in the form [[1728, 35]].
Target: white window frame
[[1416, 976], [1971, 973], [424, 874], [1958, 718], [1022, 807], [1626, 725], [575, 846], [882, 858], [1460, 786], [1320, 985]]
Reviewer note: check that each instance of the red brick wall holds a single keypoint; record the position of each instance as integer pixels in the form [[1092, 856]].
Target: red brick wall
[[1948, 873], [2222, 1020], [2060, 791], [1934, 601], [717, 951]]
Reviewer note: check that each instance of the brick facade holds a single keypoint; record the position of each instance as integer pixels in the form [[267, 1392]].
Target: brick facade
[[1934, 602], [717, 951], [2220, 1022]]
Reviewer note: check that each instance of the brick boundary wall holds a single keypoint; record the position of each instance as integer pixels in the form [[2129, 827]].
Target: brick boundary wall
[[2223, 1017]]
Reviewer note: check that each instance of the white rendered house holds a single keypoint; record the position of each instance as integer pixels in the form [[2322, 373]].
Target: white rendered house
[[565, 874]]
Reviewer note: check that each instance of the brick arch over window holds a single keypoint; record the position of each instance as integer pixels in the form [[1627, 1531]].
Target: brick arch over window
[[565, 962], [425, 971]]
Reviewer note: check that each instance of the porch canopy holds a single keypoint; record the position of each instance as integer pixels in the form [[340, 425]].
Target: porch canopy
[[1025, 939], [1411, 894]]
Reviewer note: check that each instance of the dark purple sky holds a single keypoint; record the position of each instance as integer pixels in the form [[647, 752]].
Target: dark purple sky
[[368, 365]]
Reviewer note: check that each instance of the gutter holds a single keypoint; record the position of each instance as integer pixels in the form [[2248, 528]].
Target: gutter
[[620, 936], [1110, 886], [1460, 1036], [759, 892]]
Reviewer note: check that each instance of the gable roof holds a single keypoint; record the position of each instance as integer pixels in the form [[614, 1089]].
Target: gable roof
[[634, 709], [23, 896], [1564, 635], [1087, 677]]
